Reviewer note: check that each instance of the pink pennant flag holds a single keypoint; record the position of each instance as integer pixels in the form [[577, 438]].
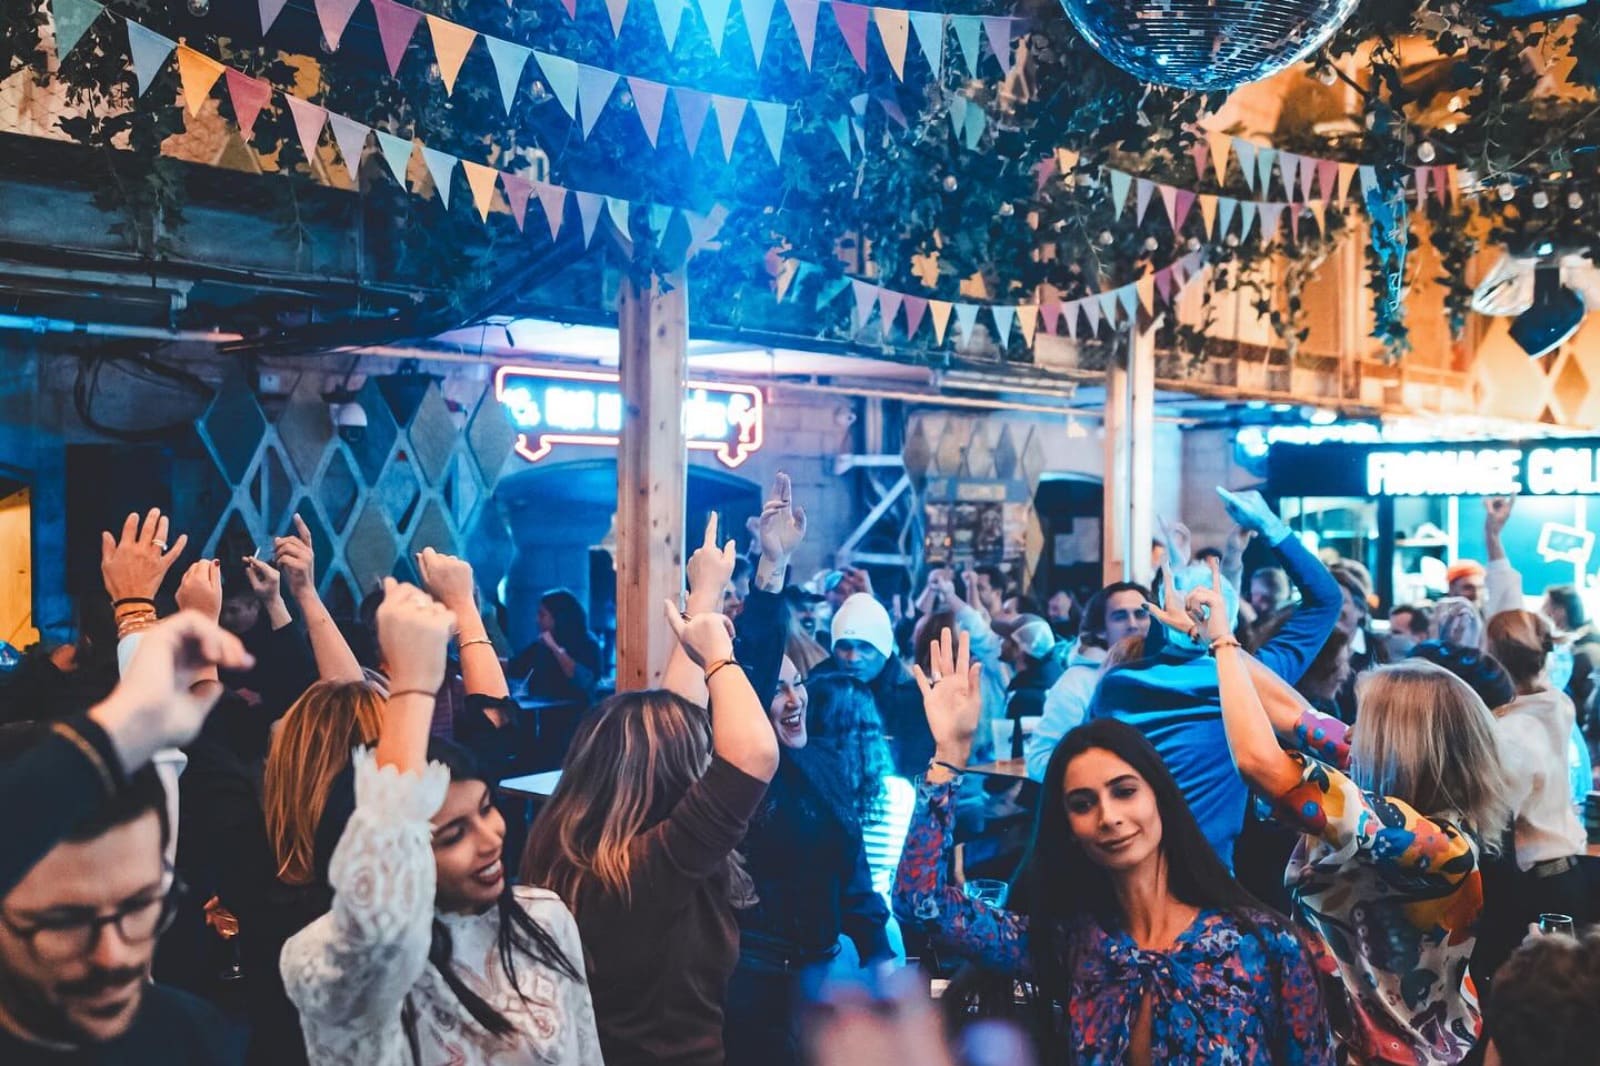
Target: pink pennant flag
[[1169, 200], [334, 15], [1443, 180], [1308, 174], [889, 303], [1184, 204], [1050, 316], [1043, 171], [249, 96], [1202, 156], [852, 20], [308, 122], [1164, 284], [270, 10], [518, 189], [396, 24], [617, 9], [803, 14], [1423, 173], [649, 99], [1328, 177], [692, 110], [998, 29], [916, 307], [553, 198], [1288, 169], [892, 109]]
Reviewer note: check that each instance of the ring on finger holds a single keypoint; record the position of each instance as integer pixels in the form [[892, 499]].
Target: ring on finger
[[160, 544]]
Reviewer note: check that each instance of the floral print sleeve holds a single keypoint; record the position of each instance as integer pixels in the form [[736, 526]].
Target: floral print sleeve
[[925, 898], [1323, 737], [1381, 829], [1303, 1036]]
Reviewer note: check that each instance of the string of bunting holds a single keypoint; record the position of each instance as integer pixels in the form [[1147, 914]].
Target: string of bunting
[[1108, 309], [198, 74], [1298, 174], [396, 23]]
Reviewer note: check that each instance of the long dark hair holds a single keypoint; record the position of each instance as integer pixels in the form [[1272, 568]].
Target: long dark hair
[[571, 621], [1060, 888], [518, 936], [845, 753]]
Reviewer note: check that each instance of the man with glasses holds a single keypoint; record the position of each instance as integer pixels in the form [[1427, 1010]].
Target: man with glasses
[[84, 889]]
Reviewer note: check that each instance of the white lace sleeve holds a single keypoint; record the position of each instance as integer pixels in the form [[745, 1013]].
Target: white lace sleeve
[[349, 971]]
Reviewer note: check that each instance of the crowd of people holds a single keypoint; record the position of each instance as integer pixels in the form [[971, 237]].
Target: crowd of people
[[1257, 827]]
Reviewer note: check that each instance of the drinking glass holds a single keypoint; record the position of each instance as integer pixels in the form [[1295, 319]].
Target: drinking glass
[[988, 890], [1556, 925]]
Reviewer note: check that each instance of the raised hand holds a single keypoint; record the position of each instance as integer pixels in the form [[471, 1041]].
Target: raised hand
[[154, 705], [710, 569], [265, 581], [1171, 611], [1497, 512], [782, 525], [1249, 510], [448, 578], [1179, 542], [134, 564], [706, 638], [414, 633], [859, 579], [297, 559], [1207, 607], [952, 698], [200, 589]]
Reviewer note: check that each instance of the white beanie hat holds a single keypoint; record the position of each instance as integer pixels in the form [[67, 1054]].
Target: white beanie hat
[[863, 618]]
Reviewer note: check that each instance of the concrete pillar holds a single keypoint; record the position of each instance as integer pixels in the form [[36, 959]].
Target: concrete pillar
[[1130, 450]]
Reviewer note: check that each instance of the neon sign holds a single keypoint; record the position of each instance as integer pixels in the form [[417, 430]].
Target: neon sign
[[551, 407], [1541, 471]]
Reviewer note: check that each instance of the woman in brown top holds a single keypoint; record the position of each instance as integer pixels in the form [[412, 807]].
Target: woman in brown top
[[639, 839]]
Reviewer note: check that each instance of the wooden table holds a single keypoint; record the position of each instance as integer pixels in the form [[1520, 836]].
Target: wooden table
[[1017, 768]]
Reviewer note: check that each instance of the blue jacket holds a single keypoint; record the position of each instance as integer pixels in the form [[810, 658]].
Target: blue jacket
[[1171, 697]]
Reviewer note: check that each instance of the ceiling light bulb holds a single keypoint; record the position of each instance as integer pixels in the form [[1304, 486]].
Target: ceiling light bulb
[[1425, 152]]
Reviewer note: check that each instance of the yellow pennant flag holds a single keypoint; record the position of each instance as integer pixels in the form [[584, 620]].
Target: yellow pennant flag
[[1319, 211], [1220, 144], [1208, 212], [1146, 288], [1028, 321], [481, 180], [893, 26], [1346, 172], [1067, 160], [939, 310], [198, 74], [450, 44]]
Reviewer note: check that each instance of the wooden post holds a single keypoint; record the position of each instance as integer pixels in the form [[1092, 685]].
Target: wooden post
[[1130, 457], [652, 472]]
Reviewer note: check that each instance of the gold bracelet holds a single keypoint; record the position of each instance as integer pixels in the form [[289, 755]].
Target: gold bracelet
[[711, 671], [465, 644], [1225, 642]]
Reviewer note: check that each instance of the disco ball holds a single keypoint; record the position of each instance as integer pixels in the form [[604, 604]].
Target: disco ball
[[1206, 44]]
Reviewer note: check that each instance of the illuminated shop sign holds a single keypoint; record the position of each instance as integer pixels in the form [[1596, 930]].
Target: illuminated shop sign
[[551, 407], [1546, 470]]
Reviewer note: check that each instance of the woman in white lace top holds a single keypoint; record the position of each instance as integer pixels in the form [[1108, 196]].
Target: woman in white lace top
[[427, 955]]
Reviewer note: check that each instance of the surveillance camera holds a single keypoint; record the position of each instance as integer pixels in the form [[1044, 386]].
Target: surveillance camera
[[350, 419]]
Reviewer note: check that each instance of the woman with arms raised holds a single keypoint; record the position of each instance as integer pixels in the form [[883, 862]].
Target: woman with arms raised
[[1132, 923]]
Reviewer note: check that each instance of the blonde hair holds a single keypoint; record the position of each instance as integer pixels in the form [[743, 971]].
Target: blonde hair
[[1522, 641], [309, 749], [631, 763], [1423, 736]]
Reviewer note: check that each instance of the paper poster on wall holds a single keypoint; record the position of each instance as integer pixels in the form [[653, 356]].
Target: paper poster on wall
[[967, 521]]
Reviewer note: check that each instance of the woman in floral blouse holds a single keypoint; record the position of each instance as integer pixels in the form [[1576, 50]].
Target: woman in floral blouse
[[1135, 926], [1387, 872]]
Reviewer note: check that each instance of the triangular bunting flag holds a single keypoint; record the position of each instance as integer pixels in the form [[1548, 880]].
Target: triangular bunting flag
[[939, 315], [1247, 218], [1028, 322], [1069, 315], [998, 29], [1289, 169], [562, 75], [589, 205], [1270, 214], [594, 92], [841, 131], [866, 295], [958, 105], [1219, 144], [1050, 315], [1120, 183], [1328, 178], [788, 269], [670, 14], [1108, 307], [1347, 172], [916, 307], [518, 190], [73, 18], [1003, 317], [1184, 204], [1308, 174], [730, 113], [1423, 173], [441, 167], [197, 73], [509, 59], [396, 24], [649, 100], [693, 107], [1319, 211], [480, 179], [450, 45], [892, 109], [1128, 297], [334, 15], [1091, 313], [967, 27], [772, 118], [929, 27], [977, 118], [852, 20], [1265, 158], [1145, 287], [860, 133], [553, 201], [1369, 180], [1143, 190], [966, 318], [757, 22], [894, 28], [1208, 212], [618, 10], [249, 96], [351, 137], [149, 51], [714, 13], [1294, 223], [397, 153], [618, 209], [1226, 206], [1169, 200], [803, 14], [1164, 284], [270, 10], [889, 303], [1246, 152], [308, 122], [1202, 156]]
